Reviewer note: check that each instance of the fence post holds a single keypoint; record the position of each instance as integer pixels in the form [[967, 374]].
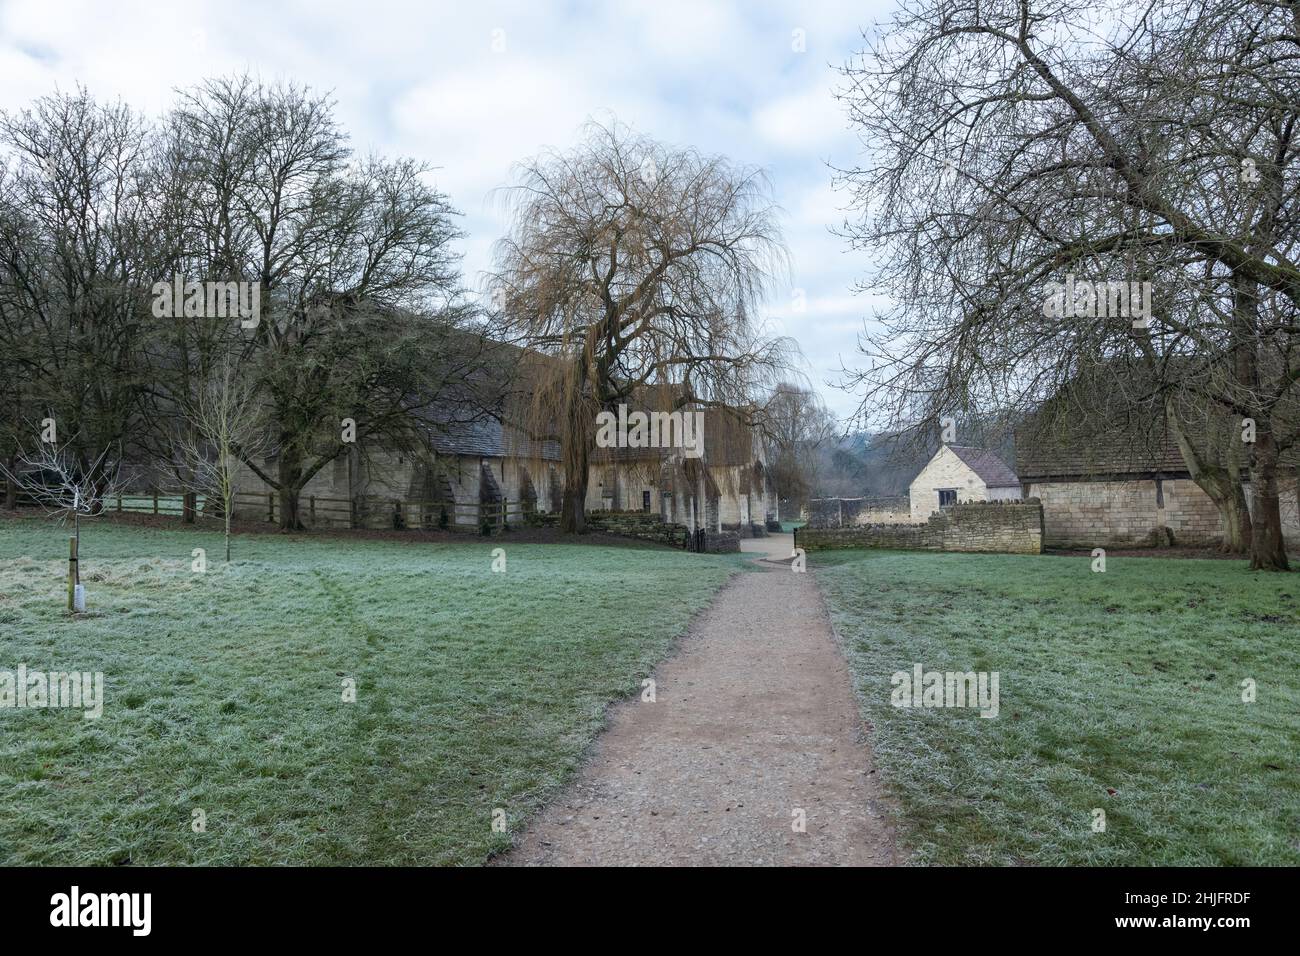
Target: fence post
[[311, 506], [155, 501], [119, 502], [270, 506], [72, 571]]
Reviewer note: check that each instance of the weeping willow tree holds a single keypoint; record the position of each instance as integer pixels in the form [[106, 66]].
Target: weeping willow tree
[[633, 270]]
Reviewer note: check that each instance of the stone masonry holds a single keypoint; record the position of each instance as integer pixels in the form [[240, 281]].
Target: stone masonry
[[1143, 513], [998, 527], [849, 512]]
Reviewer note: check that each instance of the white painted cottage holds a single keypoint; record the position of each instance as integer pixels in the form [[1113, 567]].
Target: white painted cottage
[[961, 473]]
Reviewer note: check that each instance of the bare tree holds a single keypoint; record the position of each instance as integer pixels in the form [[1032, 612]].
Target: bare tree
[[51, 478], [1016, 144], [355, 266], [224, 424], [74, 252], [637, 268], [796, 427]]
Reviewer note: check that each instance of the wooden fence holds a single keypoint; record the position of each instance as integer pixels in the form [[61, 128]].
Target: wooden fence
[[371, 511], [374, 511], [155, 501]]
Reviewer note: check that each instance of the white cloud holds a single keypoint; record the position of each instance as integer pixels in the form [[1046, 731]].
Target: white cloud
[[422, 80], [808, 122]]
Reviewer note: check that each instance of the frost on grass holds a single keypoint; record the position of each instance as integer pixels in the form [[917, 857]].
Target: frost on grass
[[1118, 691], [474, 690]]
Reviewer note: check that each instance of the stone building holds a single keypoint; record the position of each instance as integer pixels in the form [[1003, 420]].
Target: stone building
[[726, 489], [480, 469], [961, 473], [1126, 487], [468, 469]]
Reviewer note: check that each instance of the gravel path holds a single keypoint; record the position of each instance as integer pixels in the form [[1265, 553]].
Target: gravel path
[[754, 719]]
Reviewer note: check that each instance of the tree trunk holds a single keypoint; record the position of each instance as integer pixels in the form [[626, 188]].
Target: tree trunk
[[1268, 549], [1221, 484], [228, 535], [576, 445], [1237, 526], [189, 504], [290, 487], [11, 486], [573, 514]]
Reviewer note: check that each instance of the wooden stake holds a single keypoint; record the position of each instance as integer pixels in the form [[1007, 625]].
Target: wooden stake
[[72, 571]]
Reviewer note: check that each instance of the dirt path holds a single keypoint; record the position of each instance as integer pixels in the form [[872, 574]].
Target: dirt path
[[754, 719]]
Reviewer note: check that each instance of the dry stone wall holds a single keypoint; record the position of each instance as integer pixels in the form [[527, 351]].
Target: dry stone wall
[[999, 527]]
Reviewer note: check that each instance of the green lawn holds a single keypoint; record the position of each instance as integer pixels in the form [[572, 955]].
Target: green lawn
[[475, 690], [1119, 691]]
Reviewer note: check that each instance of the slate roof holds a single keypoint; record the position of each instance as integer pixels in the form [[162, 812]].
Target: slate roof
[[483, 419], [485, 438], [1107, 423], [1125, 450], [478, 418], [728, 440], [991, 469]]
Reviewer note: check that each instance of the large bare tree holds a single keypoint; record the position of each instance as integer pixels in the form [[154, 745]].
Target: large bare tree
[[1014, 144], [361, 317], [75, 227], [637, 268], [796, 427]]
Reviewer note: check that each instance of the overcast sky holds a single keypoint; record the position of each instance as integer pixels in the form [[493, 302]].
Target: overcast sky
[[474, 87]]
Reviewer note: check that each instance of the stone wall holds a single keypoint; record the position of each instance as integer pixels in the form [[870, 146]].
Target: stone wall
[[637, 524], [646, 527], [999, 527], [1173, 511], [850, 512]]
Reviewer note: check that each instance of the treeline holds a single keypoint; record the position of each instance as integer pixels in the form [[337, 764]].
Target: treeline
[[346, 300]]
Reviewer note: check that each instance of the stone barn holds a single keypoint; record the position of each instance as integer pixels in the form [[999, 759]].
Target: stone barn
[[961, 473], [475, 466], [480, 464], [1126, 489], [727, 489]]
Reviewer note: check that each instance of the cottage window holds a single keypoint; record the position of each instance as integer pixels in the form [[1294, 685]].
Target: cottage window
[[947, 496]]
